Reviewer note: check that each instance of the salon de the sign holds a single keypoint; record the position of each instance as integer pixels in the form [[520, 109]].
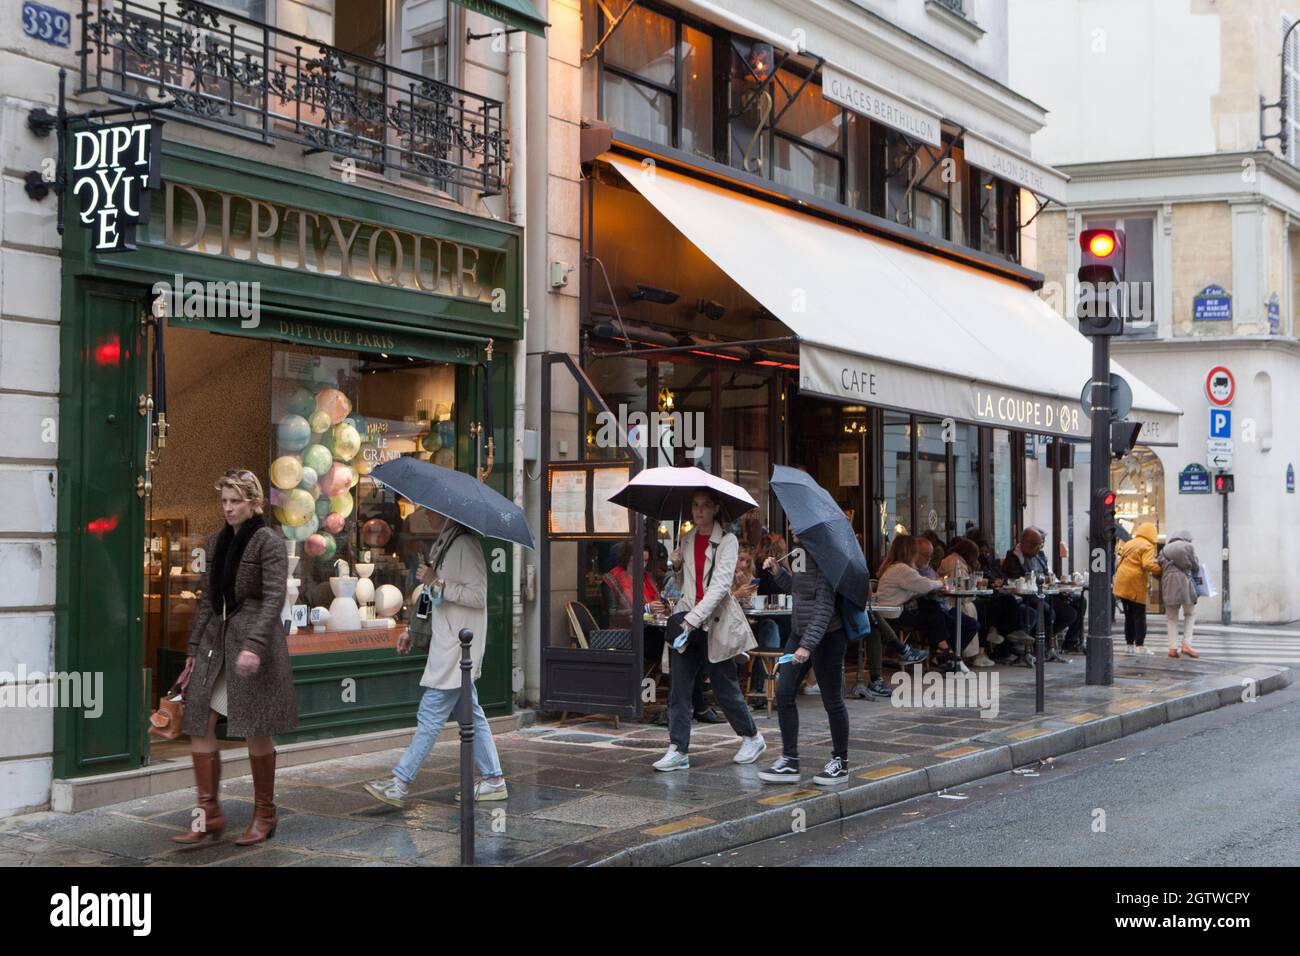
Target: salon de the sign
[[113, 168]]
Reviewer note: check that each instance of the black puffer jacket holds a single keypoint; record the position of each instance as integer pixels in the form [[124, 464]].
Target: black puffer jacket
[[814, 603]]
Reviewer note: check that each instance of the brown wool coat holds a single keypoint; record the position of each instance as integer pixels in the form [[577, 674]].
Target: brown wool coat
[[265, 703]]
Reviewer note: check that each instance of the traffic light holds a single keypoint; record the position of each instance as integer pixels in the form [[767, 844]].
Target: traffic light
[[1103, 504], [1101, 275], [1224, 484], [1123, 436]]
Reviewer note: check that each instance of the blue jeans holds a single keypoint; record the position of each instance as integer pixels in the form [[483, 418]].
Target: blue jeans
[[435, 707]]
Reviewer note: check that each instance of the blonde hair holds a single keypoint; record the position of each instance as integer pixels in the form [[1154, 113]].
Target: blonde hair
[[245, 484]]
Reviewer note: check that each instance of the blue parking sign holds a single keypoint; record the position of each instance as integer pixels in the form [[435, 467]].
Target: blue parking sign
[[1220, 423]]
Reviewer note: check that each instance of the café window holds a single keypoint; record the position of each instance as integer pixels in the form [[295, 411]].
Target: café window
[[931, 477], [994, 215], [657, 78], [745, 422], [921, 186], [966, 477], [1003, 499], [897, 475]]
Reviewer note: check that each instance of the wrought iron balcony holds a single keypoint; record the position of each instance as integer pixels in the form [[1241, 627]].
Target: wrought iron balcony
[[229, 71], [956, 6]]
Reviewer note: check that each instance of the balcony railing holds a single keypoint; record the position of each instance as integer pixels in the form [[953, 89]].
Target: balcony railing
[[229, 71], [956, 6]]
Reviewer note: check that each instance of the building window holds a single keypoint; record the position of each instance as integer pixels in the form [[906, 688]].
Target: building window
[[1139, 268], [423, 27], [658, 79], [253, 9], [1291, 92], [994, 220]]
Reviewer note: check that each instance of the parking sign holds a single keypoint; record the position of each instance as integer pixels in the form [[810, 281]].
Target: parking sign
[[1220, 423]]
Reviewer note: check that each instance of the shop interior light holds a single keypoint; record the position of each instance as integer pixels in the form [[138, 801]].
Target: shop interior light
[[761, 59]]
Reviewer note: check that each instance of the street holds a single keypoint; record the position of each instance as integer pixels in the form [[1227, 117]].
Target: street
[[1213, 790]]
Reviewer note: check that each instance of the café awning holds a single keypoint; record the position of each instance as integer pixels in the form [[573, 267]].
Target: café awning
[[516, 14], [883, 324]]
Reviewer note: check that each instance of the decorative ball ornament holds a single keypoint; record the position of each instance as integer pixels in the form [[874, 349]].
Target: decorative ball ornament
[[302, 532], [315, 546], [309, 479], [296, 508], [341, 504], [347, 441], [336, 480], [334, 522], [320, 422], [333, 403], [322, 507], [293, 432], [376, 533], [318, 459], [388, 600], [301, 403], [430, 441], [365, 591], [286, 472], [362, 463]]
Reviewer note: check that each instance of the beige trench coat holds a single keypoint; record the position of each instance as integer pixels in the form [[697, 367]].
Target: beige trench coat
[[464, 604]]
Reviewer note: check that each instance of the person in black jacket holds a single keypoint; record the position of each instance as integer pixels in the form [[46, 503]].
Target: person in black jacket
[[817, 641]]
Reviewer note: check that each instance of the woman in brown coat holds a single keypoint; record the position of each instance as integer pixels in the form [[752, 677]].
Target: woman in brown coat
[[238, 665]]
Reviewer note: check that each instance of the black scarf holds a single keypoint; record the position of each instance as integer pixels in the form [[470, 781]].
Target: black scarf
[[225, 562]]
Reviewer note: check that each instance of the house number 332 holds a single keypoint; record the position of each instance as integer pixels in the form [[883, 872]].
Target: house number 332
[[47, 24]]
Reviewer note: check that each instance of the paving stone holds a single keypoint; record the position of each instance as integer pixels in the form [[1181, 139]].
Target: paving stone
[[325, 859], [390, 843], [202, 855], [612, 811], [309, 829], [326, 800], [521, 797], [121, 835], [564, 778], [689, 789], [261, 857], [237, 813]]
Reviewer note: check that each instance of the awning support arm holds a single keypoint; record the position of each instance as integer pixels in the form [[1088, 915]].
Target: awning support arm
[[917, 180], [718, 347], [1042, 204], [617, 22]]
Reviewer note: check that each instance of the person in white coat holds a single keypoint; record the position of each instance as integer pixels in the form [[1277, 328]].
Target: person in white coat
[[456, 575], [704, 565]]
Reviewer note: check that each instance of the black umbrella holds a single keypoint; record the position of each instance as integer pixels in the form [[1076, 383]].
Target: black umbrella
[[824, 530], [458, 496]]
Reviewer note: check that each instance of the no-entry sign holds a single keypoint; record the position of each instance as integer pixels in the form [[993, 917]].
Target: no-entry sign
[[1220, 386]]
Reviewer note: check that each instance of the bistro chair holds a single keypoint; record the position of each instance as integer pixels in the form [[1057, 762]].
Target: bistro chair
[[586, 634]]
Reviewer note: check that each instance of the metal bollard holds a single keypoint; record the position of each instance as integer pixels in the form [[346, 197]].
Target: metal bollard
[[465, 717], [1040, 650]]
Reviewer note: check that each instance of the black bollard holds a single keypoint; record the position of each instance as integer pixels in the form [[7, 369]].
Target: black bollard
[[465, 717], [1040, 648]]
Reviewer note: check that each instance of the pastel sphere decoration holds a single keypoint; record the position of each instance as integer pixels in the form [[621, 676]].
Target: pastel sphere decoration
[[356, 479], [320, 422], [297, 507], [309, 478], [331, 546], [347, 441], [315, 545], [301, 403], [336, 480], [293, 432], [334, 403], [341, 504], [334, 522], [318, 459], [286, 472], [388, 600], [304, 531], [430, 441], [376, 533], [363, 464], [322, 507]]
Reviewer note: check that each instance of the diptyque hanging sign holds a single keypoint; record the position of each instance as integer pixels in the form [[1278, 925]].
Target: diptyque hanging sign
[[113, 168]]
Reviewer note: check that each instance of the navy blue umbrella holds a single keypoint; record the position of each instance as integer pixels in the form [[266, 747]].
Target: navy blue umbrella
[[458, 496], [824, 531]]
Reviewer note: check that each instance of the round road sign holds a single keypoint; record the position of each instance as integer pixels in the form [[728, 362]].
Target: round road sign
[[1220, 386]]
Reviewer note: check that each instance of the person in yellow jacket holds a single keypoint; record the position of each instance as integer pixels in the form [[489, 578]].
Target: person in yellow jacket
[[1137, 562]]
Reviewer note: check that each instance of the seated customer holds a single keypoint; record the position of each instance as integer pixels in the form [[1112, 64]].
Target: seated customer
[[619, 581], [903, 585], [1066, 612], [961, 559], [925, 565]]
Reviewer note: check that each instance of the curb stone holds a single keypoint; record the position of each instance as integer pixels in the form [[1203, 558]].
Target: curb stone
[[1001, 756]]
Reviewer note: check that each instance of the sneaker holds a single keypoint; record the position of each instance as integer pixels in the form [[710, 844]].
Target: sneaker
[[878, 688], [1145, 651], [1020, 637], [835, 771], [784, 770], [484, 791], [983, 660], [859, 691], [750, 749], [1173, 653], [673, 760], [970, 649], [1129, 649], [390, 791], [994, 637], [810, 689], [912, 655]]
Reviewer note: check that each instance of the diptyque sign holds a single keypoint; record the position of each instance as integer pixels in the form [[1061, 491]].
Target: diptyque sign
[[113, 168]]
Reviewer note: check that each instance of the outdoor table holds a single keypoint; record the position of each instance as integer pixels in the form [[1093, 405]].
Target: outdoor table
[[960, 594]]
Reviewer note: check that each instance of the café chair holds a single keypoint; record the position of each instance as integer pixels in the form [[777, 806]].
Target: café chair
[[587, 634]]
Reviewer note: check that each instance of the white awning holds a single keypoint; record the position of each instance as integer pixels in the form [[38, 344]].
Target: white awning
[[720, 16], [883, 324]]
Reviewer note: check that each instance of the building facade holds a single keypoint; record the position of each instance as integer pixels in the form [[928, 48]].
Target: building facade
[[1192, 170]]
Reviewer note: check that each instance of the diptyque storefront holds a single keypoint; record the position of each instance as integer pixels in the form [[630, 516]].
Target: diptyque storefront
[[312, 328]]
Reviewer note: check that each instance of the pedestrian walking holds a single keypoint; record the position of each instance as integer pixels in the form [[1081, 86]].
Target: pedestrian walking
[[1180, 570], [455, 578], [1137, 562], [237, 665], [817, 642], [705, 566]]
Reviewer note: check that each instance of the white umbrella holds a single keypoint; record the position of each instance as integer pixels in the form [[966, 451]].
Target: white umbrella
[[665, 493]]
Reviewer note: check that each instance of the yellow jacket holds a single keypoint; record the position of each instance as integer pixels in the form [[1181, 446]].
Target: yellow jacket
[[1137, 560]]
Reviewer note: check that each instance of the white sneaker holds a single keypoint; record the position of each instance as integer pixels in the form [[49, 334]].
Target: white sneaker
[[810, 689], [994, 637], [750, 749], [484, 791], [1130, 649], [982, 661], [1145, 651], [673, 760], [1020, 637], [390, 790], [970, 649]]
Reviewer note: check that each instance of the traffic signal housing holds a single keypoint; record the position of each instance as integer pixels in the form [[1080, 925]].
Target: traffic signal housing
[[1103, 504], [1224, 484], [1123, 436], [1100, 308]]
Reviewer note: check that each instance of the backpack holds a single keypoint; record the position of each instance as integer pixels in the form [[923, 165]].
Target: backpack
[[857, 624]]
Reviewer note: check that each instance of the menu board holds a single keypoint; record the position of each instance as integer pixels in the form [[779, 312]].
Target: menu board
[[608, 518], [579, 500], [568, 513]]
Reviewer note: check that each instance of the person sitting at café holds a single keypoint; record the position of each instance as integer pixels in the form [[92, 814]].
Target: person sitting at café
[[960, 561], [937, 550], [1066, 612], [618, 581], [903, 585], [925, 565]]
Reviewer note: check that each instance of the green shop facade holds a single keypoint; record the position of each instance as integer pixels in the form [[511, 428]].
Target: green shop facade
[[314, 328]]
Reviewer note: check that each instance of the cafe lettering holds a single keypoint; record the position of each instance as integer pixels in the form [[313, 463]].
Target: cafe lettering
[[113, 168]]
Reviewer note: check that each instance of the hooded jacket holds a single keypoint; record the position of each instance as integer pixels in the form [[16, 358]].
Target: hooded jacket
[[1137, 561], [814, 614], [1180, 565]]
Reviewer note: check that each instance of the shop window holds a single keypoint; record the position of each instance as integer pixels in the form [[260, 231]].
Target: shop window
[[966, 477], [808, 148], [623, 384], [335, 417], [919, 187], [860, 173], [686, 390], [931, 478], [1003, 499], [745, 422], [657, 79], [995, 215], [1139, 483], [897, 475]]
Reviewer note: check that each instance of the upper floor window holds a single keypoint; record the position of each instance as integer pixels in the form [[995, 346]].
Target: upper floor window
[[994, 222], [1291, 93], [923, 187], [253, 9], [658, 79], [417, 41]]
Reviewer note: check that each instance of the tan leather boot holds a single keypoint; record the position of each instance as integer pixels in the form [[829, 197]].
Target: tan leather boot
[[262, 826], [207, 780]]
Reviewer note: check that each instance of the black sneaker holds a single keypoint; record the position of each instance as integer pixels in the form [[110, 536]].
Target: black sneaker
[[784, 770], [709, 716], [835, 771], [912, 655], [878, 688]]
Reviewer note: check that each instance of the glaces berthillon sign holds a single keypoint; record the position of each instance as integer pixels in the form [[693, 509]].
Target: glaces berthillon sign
[[113, 168]]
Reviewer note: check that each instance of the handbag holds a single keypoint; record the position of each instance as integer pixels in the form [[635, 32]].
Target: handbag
[[1203, 583], [165, 722], [419, 625], [610, 639]]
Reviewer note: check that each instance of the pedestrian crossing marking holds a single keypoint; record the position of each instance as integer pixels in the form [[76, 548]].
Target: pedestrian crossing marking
[[960, 752], [1082, 718], [781, 799], [1026, 734], [677, 826], [880, 773]]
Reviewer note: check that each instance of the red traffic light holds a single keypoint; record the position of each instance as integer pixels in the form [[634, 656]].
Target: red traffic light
[[1108, 499], [1224, 484], [1102, 244]]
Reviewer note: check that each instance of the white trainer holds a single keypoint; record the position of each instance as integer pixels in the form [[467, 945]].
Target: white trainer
[[673, 760], [751, 749], [982, 661]]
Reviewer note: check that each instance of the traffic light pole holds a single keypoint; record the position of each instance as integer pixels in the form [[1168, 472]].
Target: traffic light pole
[[1100, 661], [1225, 613]]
